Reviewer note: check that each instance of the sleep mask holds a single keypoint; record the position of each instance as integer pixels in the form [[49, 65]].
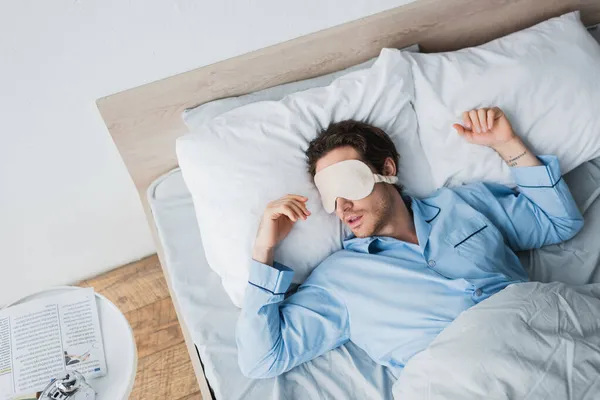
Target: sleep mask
[[350, 179]]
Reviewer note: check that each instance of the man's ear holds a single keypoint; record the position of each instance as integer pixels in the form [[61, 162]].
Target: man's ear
[[389, 167]]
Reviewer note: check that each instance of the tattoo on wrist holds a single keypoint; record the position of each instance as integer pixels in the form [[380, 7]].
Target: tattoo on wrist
[[513, 161]]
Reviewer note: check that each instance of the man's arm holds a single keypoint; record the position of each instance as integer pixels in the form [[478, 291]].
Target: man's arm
[[274, 335], [542, 211]]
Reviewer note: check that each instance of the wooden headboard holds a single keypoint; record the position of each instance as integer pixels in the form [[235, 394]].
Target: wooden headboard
[[145, 121]]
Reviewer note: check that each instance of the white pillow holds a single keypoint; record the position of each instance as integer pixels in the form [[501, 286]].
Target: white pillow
[[547, 80], [202, 114], [247, 157]]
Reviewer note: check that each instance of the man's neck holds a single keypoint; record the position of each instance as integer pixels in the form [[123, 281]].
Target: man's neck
[[401, 223]]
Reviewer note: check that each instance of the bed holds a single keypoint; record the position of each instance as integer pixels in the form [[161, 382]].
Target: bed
[[145, 121], [210, 316]]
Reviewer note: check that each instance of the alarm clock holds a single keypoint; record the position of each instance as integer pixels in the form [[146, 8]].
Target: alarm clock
[[68, 386]]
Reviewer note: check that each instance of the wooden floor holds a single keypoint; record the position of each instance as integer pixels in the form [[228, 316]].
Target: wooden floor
[[164, 367]]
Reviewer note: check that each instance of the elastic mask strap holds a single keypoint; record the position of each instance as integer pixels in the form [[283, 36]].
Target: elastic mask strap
[[386, 179]]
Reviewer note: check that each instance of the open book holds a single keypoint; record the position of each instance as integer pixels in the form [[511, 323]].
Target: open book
[[41, 338]]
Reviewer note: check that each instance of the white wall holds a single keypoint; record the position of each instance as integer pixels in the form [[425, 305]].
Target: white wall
[[68, 209]]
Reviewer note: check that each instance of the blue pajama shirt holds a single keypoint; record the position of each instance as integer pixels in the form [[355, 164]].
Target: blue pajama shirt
[[392, 298]]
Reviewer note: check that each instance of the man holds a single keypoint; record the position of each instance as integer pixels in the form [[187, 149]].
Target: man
[[411, 266]]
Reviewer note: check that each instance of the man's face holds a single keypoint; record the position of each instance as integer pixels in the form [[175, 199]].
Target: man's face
[[374, 210]]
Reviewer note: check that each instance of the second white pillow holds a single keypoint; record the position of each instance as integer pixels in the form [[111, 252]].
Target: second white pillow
[[547, 80]]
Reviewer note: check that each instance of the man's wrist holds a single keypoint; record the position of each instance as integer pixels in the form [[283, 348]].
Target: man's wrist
[[508, 146], [263, 255], [511, 151], [516, 154]]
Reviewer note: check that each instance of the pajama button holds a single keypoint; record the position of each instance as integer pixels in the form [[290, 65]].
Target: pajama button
[[431, 263], [478, 292]]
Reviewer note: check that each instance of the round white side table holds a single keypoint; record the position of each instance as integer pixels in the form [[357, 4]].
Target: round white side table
[[119, 347]]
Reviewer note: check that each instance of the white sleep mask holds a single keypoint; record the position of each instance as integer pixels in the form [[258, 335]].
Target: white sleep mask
[[350, 179]]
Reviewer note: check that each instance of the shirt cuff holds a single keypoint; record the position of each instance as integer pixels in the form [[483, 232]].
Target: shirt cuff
[[543, 176], [275, 280]]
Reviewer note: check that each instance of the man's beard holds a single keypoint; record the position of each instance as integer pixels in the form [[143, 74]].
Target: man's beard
[[381, 215]]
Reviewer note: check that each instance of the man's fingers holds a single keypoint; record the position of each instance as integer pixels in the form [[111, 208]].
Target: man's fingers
[[459, 129], [286, 199], [468, 135], [296, 196], [298, 210], [301, 205], [498, 113], [491, 116], [475, 121], [482, 115], [283, 210], [290, 212], [466, 120]]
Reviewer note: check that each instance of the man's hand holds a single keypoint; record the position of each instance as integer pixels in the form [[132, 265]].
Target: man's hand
[[490, 127], [278, 219], [486, 127]]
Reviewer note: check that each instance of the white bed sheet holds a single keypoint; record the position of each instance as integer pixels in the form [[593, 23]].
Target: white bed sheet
[[346, 372]]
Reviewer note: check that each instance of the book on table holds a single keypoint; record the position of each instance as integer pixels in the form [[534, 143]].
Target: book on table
[[42, 338]]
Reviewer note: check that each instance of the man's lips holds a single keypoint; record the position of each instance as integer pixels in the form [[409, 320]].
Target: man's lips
[[354, 222]]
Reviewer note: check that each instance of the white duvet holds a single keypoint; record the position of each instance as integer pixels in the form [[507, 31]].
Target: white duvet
[[530, 341]]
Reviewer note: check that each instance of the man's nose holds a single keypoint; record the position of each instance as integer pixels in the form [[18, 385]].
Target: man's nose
[[342, 204]]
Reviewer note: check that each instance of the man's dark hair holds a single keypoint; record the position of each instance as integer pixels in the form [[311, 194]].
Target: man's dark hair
[[372, 143]]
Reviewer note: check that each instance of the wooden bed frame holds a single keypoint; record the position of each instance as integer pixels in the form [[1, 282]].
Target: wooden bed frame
[[145, 121]]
